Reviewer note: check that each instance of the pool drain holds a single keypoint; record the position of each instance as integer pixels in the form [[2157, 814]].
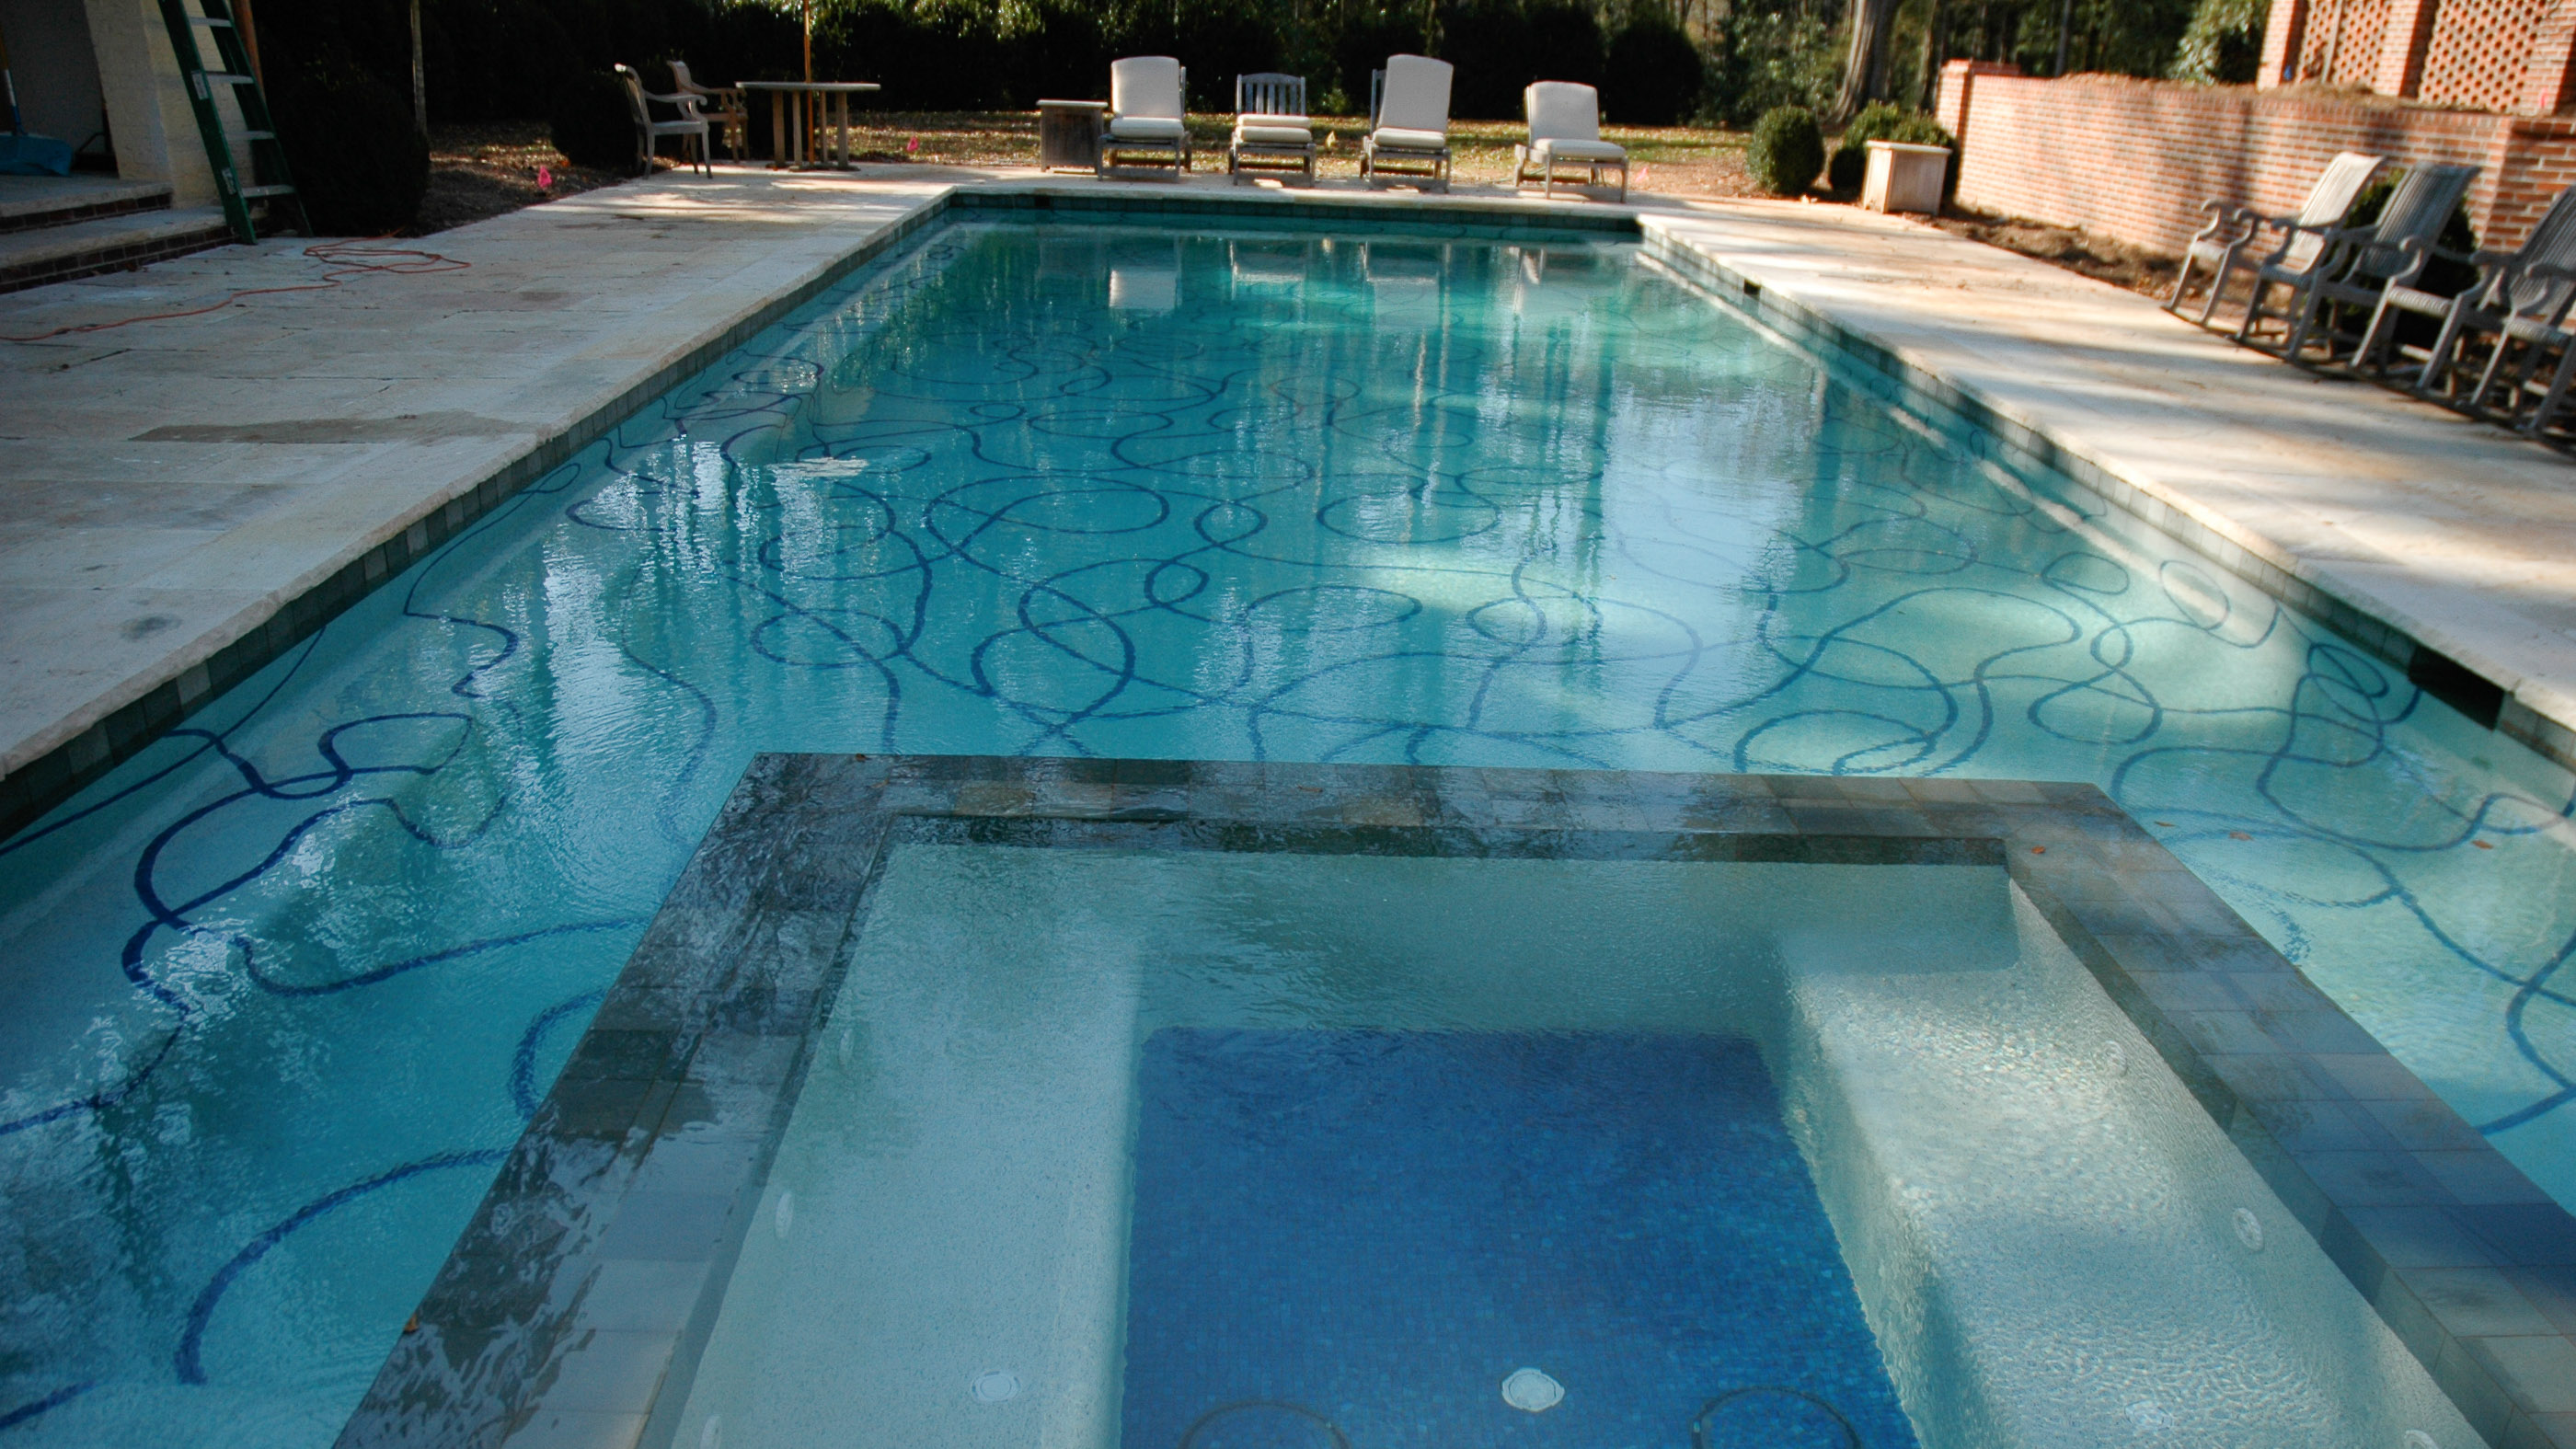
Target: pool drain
[[1532, 1392], [998, 1386]]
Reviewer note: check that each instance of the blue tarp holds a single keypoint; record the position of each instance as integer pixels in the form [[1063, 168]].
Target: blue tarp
[[24, 153]]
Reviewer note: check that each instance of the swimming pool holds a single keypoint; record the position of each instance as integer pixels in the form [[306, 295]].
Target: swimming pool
[[285, 985]]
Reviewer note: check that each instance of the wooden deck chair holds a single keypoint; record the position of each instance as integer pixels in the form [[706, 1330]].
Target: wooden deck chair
[[1147, 114], [649, 132], [723, 106], [1408, 122], [2519, 298], [2358, 262], [1565, 126], [2220, 246], [1270, 126]]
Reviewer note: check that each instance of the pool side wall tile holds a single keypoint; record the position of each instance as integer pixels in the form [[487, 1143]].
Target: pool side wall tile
[[575, 1305]]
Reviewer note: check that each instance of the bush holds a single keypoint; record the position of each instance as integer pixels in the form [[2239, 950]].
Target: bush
[[2224, 45], [1655, 74], [1564, 45], [1786, 151], [1877, 121], [593, 123], [1488, 41], [360, 166], [1361, 46]]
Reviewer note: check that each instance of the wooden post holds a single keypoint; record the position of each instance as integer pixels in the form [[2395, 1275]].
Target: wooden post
[[249, 39], [419, 88]]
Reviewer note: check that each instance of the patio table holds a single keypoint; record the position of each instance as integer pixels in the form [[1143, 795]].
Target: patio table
[[817, 105]]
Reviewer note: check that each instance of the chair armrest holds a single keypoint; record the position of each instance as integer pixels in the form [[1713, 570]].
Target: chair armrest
[[2223, 217]]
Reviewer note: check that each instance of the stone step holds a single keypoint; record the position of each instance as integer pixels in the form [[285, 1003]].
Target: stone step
[[106, 244], [28, 202]]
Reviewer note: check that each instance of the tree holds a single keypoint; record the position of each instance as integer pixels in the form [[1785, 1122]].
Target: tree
[[1865, 59]]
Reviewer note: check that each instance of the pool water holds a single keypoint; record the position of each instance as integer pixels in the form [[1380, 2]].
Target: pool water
[[282, 988], [1244, 1151]]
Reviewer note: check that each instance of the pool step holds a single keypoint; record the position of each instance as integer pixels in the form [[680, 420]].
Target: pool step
[[59, 253]]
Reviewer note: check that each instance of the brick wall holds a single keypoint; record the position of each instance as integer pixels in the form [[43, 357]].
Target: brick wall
[[2134, 159]]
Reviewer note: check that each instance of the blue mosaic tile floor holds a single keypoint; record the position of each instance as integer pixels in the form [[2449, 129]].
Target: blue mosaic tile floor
[[1378, 1227]]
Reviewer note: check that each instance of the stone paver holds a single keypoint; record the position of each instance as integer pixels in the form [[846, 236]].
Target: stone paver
[[181, 495]]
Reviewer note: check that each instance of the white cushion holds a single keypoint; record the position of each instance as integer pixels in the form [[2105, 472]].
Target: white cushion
[[1271, 118], [1562, 150], [1416, 97], [1562, 111], [1248, 134], [1393, 138], [1143, 128], [1145, 85]]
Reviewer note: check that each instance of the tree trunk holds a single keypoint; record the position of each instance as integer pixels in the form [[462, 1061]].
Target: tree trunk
[[1865, 64]]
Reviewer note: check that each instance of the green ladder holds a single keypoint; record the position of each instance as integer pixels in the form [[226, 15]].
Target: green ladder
[[268, 159]]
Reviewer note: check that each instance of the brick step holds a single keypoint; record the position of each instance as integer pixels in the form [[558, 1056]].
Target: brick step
[[28, 203], [106, 244]]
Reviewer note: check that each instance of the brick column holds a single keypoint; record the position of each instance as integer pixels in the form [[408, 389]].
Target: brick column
[[2402, 46], [2547, 83], [2283, 32], [1950, 104]]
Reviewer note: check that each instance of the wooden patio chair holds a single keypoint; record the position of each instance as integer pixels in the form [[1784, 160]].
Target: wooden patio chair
[[1270, 125], [2358, 263], [2220, 246], [1147, 113], [690, 127]]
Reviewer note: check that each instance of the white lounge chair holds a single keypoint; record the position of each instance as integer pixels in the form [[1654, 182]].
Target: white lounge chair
[[1408, 122], [1270, 124], [649, 132], [723, 106], [1147, 114], [2220, 246], [1565, 125]]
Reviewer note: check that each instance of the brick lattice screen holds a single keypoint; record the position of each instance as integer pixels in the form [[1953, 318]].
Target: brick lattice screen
[[2342, 42], [2478, 53]]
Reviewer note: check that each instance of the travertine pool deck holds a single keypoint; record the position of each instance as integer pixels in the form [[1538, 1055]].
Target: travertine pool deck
[[187, 497]]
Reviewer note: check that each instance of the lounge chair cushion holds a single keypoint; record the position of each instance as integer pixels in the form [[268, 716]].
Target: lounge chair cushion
[[1398, 138], [1145, 85], [1144, 128], [1265, 131], [1578, 150], [1562, 111], [1416, 97]]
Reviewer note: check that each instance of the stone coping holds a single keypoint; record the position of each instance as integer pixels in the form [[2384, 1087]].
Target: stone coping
[[575, 1304]]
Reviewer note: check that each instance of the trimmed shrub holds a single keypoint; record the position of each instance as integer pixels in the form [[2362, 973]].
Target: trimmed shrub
[[1488, 41], [1362, 46], [1877, 121], [1655, 74], [1787, 150], [592, 123], [359, 165], [1564, 45]]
